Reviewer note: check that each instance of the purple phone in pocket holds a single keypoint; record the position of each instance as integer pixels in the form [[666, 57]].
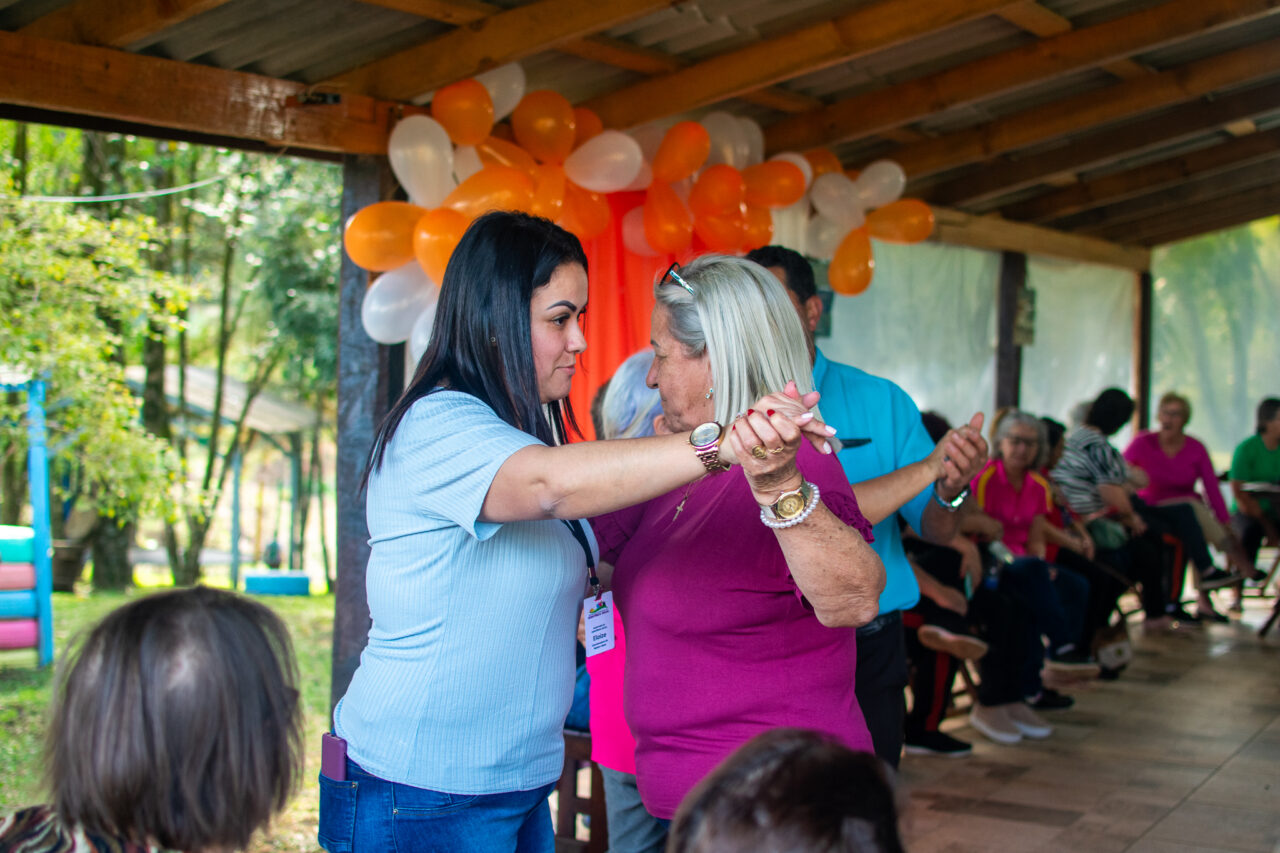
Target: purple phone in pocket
[[333, 757]]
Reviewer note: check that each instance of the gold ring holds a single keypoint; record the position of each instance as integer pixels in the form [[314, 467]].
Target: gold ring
[[759, 452], [776, 449]]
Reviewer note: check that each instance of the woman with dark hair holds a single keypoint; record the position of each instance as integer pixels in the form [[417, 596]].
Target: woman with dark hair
[[453, 720], [792, 790], [175, 725], [1257, 460]]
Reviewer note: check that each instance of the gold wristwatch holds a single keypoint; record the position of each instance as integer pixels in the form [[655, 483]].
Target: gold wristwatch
[[705, 439], [791, 504]]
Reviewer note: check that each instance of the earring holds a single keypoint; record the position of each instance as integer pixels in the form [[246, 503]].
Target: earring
[[493, 340], [710, 392]]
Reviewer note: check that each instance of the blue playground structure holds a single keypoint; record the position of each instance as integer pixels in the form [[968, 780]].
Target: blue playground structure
[[26, 571]]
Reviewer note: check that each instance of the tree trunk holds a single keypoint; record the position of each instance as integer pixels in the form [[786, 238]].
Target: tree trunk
[[111, 567], [13, 470]]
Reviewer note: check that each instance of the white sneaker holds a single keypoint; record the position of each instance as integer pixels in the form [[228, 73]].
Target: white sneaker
[[994, 722], [1028, 722]]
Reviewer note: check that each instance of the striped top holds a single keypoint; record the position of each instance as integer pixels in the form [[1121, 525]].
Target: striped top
[[38, 830], [468, 674], [1088, 461]]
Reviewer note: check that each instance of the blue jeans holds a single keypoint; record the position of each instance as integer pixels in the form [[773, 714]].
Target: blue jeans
[[631, 828], [366, 814]]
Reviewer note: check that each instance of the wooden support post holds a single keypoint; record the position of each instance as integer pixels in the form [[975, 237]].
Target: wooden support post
[[1142, 351], [368, 382], [1013, 278]]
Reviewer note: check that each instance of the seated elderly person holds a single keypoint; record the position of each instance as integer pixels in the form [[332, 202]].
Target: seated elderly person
[[175, 725], [742, 590], [1257, 460]]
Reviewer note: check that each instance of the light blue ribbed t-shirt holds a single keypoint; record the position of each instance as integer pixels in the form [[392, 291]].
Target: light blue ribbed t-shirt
[[468, 674]]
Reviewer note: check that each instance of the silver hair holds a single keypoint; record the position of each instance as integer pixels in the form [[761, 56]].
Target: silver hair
[[741, 316], [1017, 417], [629, 405]]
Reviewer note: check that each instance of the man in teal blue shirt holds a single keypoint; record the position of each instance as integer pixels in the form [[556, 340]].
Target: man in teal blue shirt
[[880, 430]]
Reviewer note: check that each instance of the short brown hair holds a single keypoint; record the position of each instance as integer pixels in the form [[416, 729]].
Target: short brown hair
[[176, 722], [1174, 397], [793, 790]]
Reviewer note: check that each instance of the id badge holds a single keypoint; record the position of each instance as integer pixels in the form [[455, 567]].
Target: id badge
[[598, 614]]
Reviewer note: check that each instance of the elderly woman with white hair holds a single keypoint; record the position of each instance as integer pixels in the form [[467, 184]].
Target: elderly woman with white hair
[[742, 590]]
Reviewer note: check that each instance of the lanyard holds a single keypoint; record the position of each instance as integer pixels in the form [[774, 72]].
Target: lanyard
[[575, 527]]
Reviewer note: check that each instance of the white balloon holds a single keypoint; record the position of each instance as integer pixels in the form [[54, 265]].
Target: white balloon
[[466, 162], [506, 87], [633, 232], [823, 238], [422, 158], [728, 140], [800, 162], [605, 163], [643, 178], [649, 137], [790, 225], [835, 197], [754, 135], [880, 183], [420, 334], [394, 301]]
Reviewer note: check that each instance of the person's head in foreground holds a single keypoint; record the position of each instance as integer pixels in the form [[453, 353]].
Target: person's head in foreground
[[176, 723], [790, 791], [724, 334]]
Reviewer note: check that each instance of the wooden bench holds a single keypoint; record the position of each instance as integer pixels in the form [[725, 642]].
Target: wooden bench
[[577, 756]]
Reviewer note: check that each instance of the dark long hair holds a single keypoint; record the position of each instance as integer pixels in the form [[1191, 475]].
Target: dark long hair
[[480, 344], [1267, 410], [176, 721]]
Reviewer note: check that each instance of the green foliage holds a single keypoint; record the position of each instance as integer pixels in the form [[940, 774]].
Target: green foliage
[[73, 290]]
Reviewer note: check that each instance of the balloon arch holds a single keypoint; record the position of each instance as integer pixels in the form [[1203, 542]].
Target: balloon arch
[[706, 180]]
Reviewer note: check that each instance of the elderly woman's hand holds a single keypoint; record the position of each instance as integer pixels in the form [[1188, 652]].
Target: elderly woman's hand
[[765, 443]]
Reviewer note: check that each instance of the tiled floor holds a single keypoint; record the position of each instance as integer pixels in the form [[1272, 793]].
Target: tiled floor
[[1181, 754]]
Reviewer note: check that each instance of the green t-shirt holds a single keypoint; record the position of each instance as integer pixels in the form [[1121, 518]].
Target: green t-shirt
[[1254, 463]]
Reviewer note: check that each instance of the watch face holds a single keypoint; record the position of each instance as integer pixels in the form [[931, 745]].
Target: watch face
[[705, 434], [789, 506]]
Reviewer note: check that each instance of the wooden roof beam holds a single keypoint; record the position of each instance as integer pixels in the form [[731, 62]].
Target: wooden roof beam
[[1091, 109], [857, 33], [504, 37], [165, 94], [1038, 20], [1187, 196], [1119, 186], [114, 24], [867, 115], [957, 228], [1225, 212], [1006, 175]]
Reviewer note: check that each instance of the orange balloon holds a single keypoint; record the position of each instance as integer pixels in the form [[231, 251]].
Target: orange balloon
[[544, 125], [759, 228], [465, 110], [584, 214], [719, 191], [775, 183], [380, 237], [907, 220], [683, 151], [499, 152], [548, 190], [588, 124], [435, 237], [492, 188], [822, 161], [667, 224], [851, 268], [722, 233]]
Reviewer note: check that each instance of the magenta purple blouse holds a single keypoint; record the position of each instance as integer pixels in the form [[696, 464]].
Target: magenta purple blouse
[[720, 644], [1174, 477]]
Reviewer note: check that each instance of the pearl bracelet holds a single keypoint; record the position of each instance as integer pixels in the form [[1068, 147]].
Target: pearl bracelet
[[769, 519]]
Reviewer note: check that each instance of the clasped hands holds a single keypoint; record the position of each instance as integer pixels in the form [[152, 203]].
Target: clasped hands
[[765, 438]]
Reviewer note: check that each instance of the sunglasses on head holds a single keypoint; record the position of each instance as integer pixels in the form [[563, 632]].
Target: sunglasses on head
[[672, 276]]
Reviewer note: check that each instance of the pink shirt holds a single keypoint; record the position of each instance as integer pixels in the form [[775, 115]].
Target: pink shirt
[[612, 745], [1174, 477], [1015, 505], [721, 645]]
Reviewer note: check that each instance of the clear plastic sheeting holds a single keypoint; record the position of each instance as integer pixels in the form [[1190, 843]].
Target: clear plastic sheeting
[[1083, 336], [1216, 330], [927, 322]]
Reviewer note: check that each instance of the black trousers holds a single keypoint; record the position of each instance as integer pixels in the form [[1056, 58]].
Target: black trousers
[[880, 681], [1104, 590], [1143, 561]]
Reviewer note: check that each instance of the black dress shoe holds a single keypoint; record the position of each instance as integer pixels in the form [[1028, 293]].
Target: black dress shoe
[[1183, 616], [1211, 615], [1050, 700]]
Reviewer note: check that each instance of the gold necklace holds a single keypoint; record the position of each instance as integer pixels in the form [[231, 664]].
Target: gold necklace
[[680, 506]]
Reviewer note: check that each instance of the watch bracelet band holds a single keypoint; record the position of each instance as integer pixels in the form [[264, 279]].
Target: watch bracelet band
[[770, 519], [710, 459], [952, 505]]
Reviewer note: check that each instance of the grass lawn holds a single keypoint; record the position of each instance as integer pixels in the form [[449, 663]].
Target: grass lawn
[[25, 692]]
